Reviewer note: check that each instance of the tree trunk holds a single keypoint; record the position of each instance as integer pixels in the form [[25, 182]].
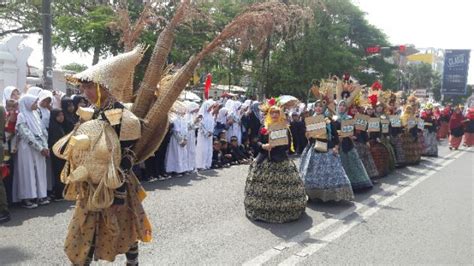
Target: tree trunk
[[95, 58], [47, 46]]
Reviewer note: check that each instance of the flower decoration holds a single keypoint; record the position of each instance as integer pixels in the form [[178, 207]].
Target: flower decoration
[[271, 102], [263, 131], [376, 86], [373, 100]]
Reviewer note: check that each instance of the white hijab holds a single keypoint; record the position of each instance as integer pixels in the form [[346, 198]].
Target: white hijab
[[28, 116], [222, 115], [45, 113], [207, 119], [191, 108], [7, 94], [35, 91]]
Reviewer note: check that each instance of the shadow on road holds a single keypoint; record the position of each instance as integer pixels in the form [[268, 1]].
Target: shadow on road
[[20, 215], [287, 230], [13, 255]]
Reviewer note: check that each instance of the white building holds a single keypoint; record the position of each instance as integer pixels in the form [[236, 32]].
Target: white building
[[13, 63], [14, 68]]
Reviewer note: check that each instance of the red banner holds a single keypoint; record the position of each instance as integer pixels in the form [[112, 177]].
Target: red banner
[[207, 85]]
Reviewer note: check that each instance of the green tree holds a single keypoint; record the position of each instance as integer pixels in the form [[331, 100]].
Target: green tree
[[334, 44], [20, 17], [85, 28], [420, 76], [75, 67]]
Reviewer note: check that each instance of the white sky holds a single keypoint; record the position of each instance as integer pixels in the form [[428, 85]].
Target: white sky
[[424, 23]]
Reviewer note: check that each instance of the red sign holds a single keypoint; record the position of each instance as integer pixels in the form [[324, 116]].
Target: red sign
[[373, 49]]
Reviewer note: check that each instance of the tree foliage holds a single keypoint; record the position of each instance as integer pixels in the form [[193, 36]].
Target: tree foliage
[[333, 42]]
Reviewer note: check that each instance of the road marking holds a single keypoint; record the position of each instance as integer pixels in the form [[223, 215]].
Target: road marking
[[277, 250], [312, 248]]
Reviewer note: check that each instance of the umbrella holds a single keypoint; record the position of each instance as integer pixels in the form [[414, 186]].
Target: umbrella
[[188, 95], [288, 100]]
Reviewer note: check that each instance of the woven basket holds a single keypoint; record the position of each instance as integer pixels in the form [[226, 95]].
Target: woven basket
[[103, 140], [114, 116], [130, 129], [85, 113], [81, 142]]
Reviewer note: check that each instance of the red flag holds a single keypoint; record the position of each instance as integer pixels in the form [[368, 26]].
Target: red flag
[[207, 86], [376, 86]]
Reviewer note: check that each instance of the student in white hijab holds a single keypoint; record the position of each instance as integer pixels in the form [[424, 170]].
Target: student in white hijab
[[235, 130], [30, 183], [10, 92], [45, 98], [205, 132], [221, 121], [176, 153], [192, 109]]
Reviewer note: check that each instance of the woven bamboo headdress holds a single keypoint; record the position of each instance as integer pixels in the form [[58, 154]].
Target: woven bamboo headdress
[[115, 73]]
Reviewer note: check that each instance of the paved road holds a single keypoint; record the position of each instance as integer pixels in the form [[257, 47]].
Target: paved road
[[421, 214]]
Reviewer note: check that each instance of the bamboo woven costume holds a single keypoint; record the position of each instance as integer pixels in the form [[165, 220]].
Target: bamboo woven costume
[[274, 192], [98, 172]]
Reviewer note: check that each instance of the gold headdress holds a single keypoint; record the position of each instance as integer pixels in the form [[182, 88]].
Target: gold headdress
[[115, 73]]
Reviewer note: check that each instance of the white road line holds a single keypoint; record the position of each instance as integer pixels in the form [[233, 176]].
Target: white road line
[[312, 248], [277, 250]]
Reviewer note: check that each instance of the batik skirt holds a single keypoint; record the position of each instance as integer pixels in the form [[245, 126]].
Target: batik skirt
[[367, 160], [431, 143], [454, 142], [443, 130], [411, 148], [468, 139], [323, 176], [355, 170], [381, 157], [397, 145], [274, 192], [392, 161]]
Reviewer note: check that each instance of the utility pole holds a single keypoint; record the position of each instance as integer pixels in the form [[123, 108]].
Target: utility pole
[[47, 46]]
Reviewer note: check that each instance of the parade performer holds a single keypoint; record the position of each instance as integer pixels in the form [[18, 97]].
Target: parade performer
[[321, 168], [469, 126], [377, 149], [410, 136], [381, 113], [429, 131], [396, 132], [444, 117], [361, 143], [456, 130], [350, 158], [274, 192], [109, 218]]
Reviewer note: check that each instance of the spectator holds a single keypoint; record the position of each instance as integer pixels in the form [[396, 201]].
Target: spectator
[[237, 151], [29, 183], [216, 154], [4, 213], [56, 130], [70, 116]]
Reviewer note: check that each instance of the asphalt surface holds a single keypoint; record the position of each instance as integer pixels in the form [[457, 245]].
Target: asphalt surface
[[417, 215]]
